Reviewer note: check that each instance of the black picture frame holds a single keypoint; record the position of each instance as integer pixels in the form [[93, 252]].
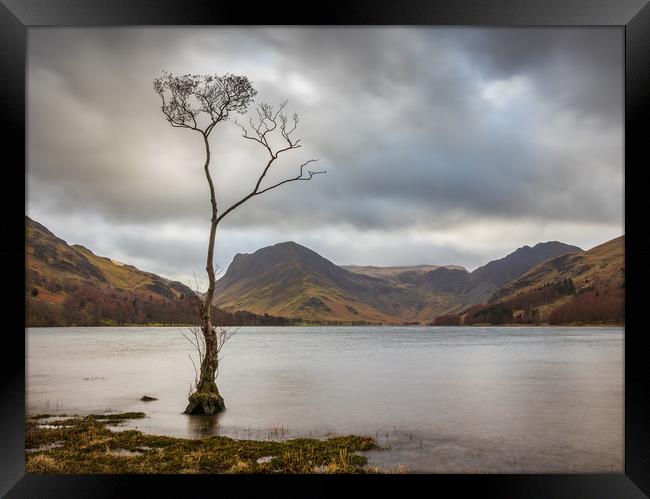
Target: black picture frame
[[633, 16]]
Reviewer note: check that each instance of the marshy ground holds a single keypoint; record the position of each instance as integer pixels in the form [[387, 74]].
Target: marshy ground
[[97, 444]]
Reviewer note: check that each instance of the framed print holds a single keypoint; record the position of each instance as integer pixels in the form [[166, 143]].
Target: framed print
[[401, 243]]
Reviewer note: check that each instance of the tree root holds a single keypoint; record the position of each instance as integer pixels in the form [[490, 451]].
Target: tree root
[[205, 402]]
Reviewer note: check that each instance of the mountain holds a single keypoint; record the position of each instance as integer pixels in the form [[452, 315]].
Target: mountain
[[487, 279], [290, 280], [586, 286], [70, 285]]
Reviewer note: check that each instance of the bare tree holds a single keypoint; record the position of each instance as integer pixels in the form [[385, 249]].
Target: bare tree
[[197, 103]]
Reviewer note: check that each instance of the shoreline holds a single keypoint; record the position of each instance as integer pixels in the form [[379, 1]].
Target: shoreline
[[543, 324], [93, 444]]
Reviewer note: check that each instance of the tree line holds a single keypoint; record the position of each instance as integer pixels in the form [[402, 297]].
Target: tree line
[[70, 302], [603, 304]]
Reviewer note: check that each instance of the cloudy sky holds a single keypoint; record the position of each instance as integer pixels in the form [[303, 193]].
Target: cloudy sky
[[441, 145]]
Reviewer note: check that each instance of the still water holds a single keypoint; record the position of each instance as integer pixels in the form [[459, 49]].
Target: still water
[[438, 399]]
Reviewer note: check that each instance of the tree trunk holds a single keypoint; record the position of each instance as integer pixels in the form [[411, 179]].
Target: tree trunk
[[206, 398]]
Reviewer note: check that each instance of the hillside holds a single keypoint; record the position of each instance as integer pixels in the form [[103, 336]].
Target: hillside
[[70, 285], [487, 279], [582, 287]]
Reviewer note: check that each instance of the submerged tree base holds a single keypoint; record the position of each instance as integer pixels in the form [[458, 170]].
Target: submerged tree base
[[87, 445], [205, 402]]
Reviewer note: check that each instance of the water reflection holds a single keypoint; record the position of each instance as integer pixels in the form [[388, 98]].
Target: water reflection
[[203, 426]]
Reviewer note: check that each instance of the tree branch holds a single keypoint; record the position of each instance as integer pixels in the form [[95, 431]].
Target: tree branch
[[256, 192], [268, 121], [299, 177]]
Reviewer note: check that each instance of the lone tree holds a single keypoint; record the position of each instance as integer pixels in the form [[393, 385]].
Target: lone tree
[[198, 103]]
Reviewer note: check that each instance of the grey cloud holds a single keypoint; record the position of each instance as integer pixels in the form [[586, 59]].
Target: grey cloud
[[397, 116], [580, 68]]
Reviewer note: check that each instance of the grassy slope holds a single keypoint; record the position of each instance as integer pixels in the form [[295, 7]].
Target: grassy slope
[[57, 259], [61, 277], [304, 297], [119, 276], [600, 268], [603, 263]]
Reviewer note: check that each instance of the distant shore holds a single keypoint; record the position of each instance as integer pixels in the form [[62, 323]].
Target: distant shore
[[542, 324]]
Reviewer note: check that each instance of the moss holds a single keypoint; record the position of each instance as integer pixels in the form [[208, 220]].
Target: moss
[[206, 400], [89, 446]]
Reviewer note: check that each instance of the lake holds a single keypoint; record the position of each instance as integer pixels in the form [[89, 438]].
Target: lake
[[438, 399]]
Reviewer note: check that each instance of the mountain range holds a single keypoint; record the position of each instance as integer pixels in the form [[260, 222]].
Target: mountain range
[[290, 280], [288, 283]]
